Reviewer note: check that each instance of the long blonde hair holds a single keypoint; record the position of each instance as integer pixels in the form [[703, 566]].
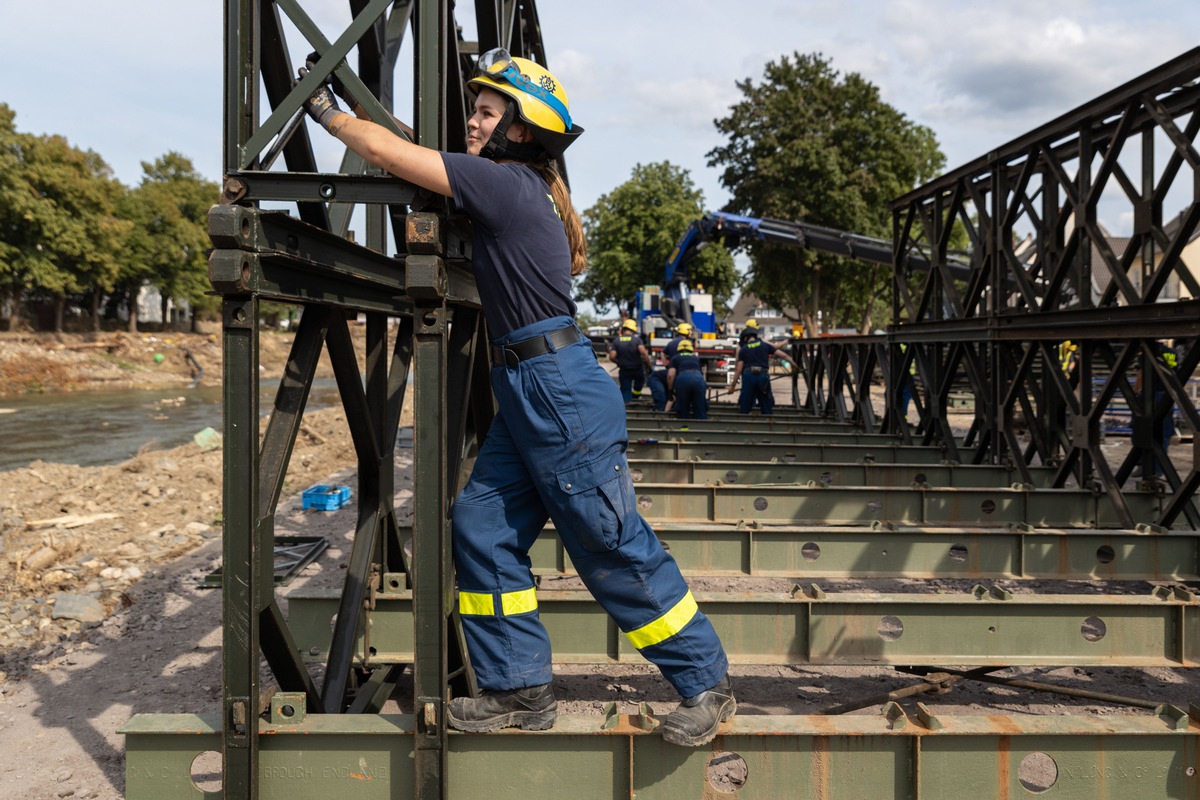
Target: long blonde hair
[[572, 225]]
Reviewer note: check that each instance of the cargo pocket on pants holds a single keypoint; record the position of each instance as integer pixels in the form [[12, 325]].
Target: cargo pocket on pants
[[597, 497]]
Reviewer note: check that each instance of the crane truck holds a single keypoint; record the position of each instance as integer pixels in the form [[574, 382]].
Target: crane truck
[[659, 309]]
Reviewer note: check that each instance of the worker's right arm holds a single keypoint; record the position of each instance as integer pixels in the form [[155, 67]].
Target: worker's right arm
[[378, 145]]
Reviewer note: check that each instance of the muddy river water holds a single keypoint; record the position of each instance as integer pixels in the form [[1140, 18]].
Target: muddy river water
[[93, 428]]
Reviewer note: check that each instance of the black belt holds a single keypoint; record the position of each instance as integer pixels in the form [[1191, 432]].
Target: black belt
[[509, 355], [758, 370]]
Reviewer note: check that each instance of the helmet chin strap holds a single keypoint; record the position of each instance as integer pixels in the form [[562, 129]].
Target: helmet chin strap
[[499, 147]]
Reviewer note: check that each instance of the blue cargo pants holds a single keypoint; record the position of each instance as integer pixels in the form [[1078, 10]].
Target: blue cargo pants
[[556, 451], [756, 388]]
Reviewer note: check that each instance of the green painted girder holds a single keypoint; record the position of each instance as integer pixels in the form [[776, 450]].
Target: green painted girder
[[1011, 553], [981, 628], [894, 755], [745, 472], [728, 411], [752, 435], [756, 425], [854, 505], [815, 452]]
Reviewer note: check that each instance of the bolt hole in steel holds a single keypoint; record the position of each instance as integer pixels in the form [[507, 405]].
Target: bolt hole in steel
[[1190, 772], [709, 456], [287, 710], [727, 772], [636, 475], [1105, 554], [731, 476], [1093, 629], [760, 504], [394, 584], [645, 502], [920, 477], [890, 628], [327, 191], [958, 552], [991, 628], [430, 318], [245, 227], [373, 651], [206, 772], [1037, 772], [811, 551], [988, 506], [826, 477], [239, 315]]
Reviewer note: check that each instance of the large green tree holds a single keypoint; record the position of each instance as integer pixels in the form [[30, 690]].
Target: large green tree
[[58, 222], [169, 209], [632, 230], [808, 143]]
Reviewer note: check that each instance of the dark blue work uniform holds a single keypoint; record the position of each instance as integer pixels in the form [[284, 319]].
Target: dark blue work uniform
[[657, 383], [555, 451], [631, 369], [755, 356], [691, 390]]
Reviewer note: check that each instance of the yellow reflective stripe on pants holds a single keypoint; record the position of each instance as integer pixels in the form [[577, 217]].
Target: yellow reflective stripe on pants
[[484, 605], [665, 626], [519, 602], [480, 605]]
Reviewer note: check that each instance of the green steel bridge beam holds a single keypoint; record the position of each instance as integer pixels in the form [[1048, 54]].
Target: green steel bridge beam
[[894, 505], [1015, 552], [985, 627], [893, 755]]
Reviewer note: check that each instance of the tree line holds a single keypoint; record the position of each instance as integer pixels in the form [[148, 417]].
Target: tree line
[[74, 237], [804, 143]]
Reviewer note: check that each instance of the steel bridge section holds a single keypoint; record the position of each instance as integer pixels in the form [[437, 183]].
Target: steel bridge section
[[997, 333], [893, 756], [991, 336]]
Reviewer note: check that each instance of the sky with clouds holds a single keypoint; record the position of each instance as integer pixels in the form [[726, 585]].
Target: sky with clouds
[[135, 79]]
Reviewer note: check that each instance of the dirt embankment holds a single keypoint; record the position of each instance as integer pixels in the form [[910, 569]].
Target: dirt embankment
[[75, 540]]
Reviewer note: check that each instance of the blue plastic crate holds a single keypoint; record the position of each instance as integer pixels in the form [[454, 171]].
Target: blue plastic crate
[[326, 498]]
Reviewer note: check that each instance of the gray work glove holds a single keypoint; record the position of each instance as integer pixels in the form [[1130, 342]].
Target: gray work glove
[[321, 105], [335, 82]]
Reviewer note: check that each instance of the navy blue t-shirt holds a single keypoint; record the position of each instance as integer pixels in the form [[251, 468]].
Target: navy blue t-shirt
[[686, 362], [756, 353], [626, 346], [520, 255]]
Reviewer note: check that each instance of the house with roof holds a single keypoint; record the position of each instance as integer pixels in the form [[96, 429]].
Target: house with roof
[[771, 322]]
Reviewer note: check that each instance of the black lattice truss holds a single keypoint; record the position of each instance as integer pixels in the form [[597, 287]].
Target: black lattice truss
[[1046, 275], [405, 272]]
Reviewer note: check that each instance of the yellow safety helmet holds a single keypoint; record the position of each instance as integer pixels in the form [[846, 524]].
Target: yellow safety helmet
[[686, 346], [541, 101], [629, 324], [752, 323], [684, 329]]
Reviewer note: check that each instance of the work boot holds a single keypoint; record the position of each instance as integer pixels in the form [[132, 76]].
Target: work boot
[[694, 721], [530, 709]]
